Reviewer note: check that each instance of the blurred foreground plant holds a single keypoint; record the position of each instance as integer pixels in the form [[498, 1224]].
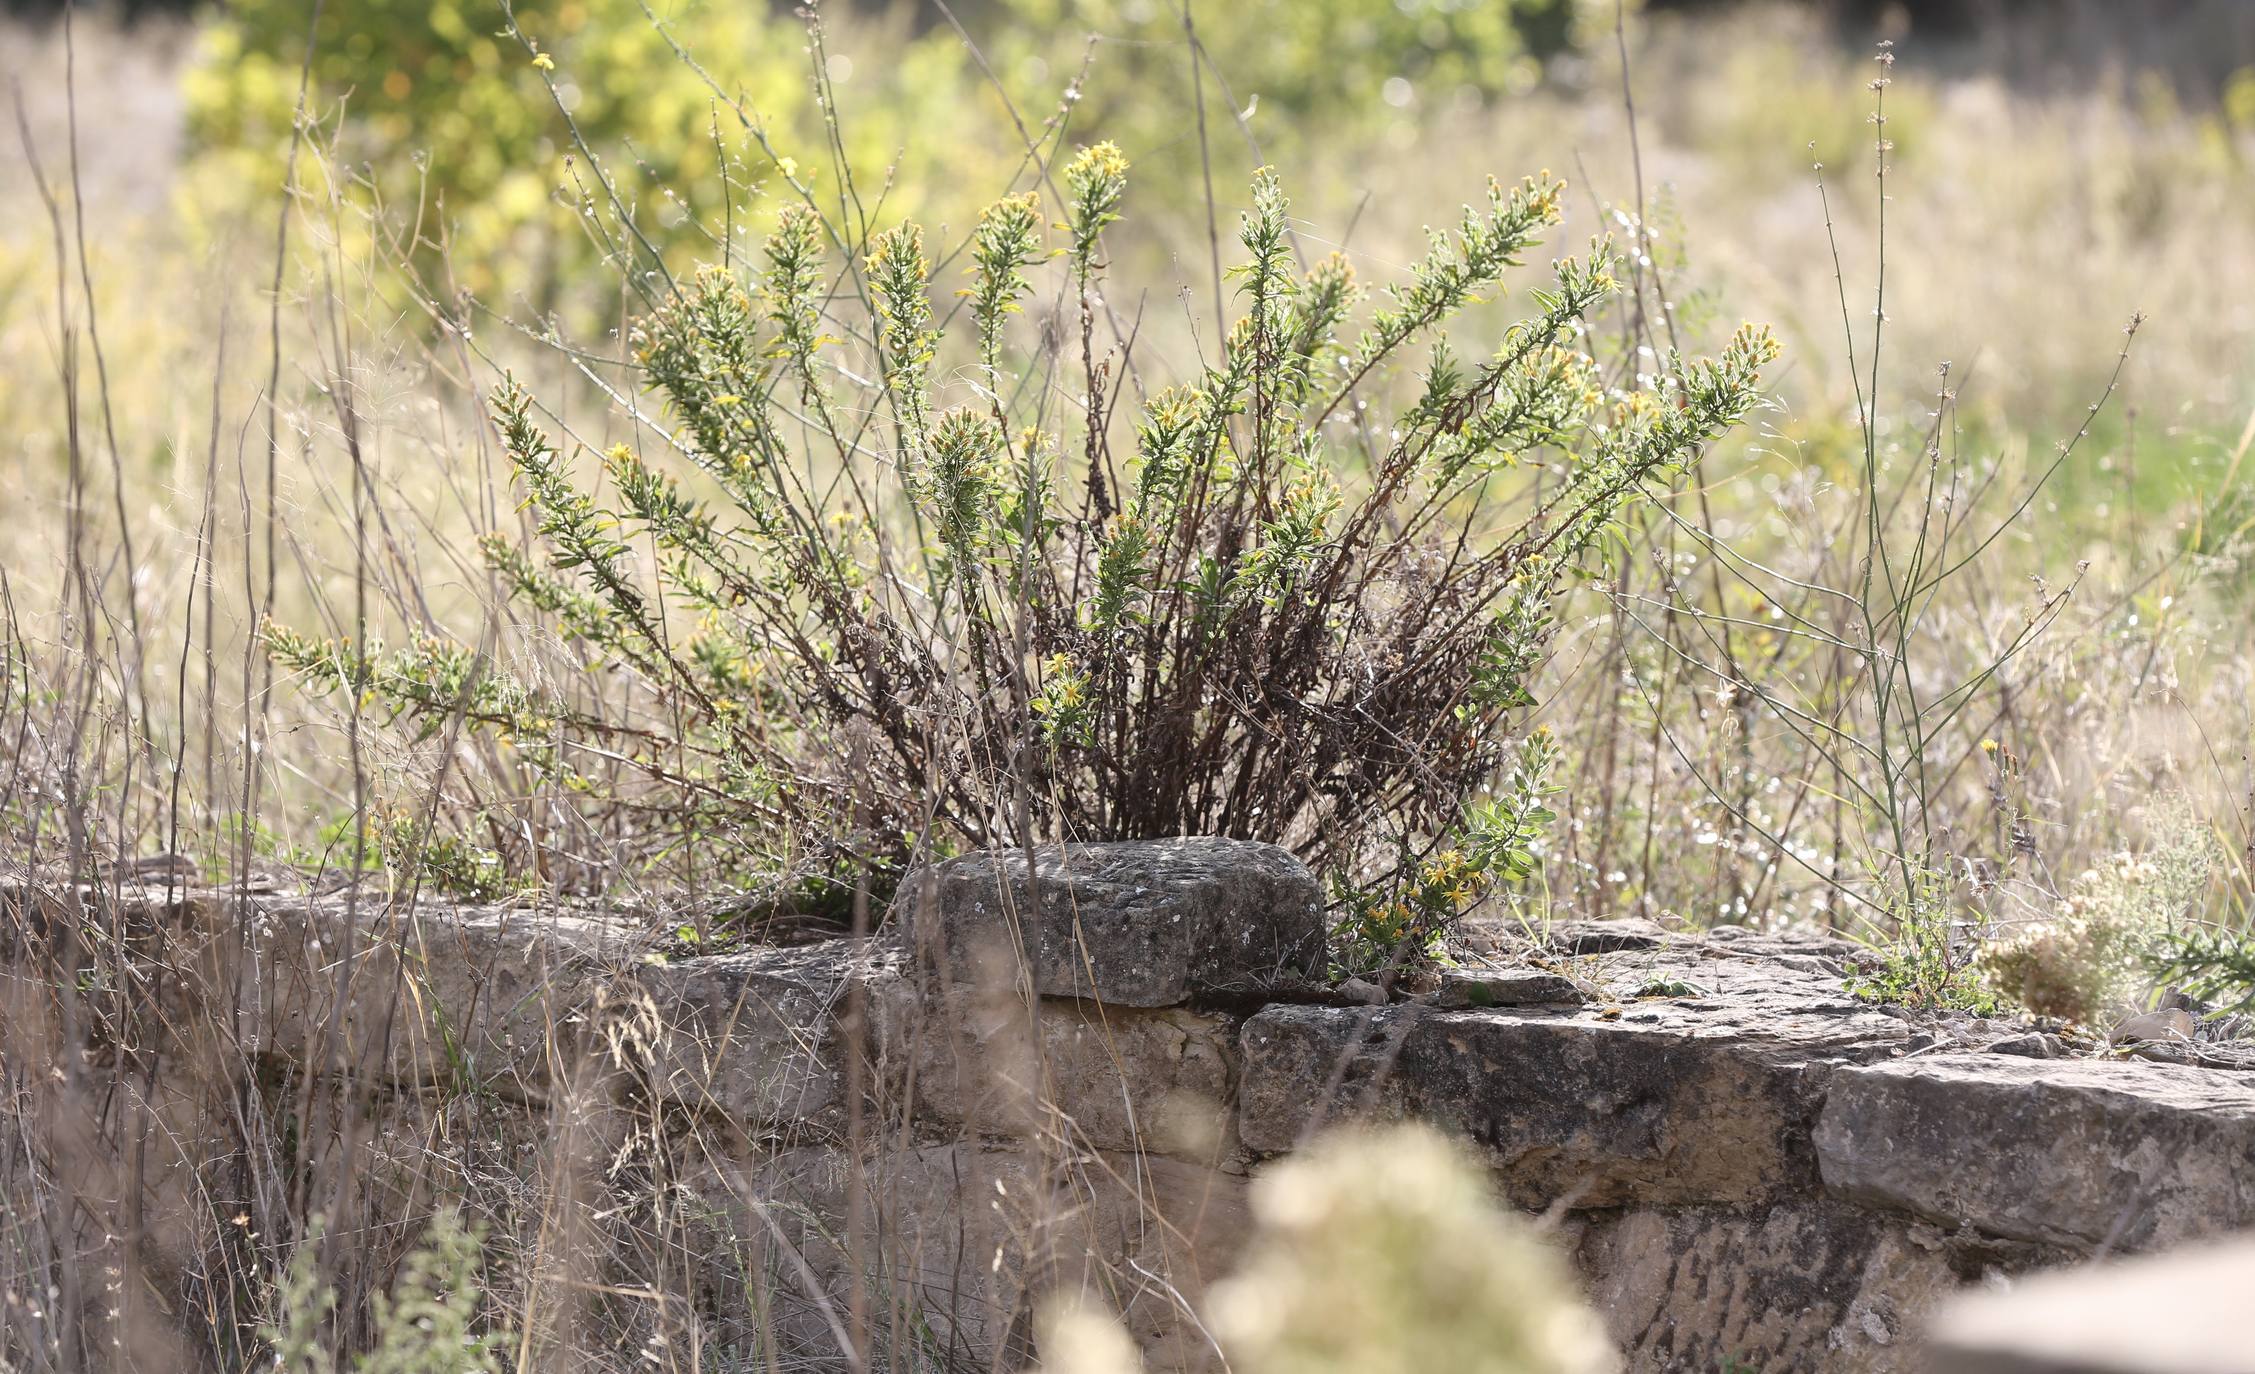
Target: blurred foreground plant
[[434, 1320], [1388, 1251], [1373, 1252]]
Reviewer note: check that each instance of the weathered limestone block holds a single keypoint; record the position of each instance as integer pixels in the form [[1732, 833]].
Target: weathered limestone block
[[490, 995], [2078, 1153], [957, 1244], [1473, 988], [1605, 935], [1111, 1078], [1805, 1285], [2185, 1312], [1142, 923], [1663, 1102], [761, 1037]]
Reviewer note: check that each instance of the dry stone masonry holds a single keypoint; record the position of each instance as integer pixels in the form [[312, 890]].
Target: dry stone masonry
[[1063, 1071]]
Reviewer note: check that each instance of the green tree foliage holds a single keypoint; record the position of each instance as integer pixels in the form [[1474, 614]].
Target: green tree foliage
[[521, 141], [1330, 62]]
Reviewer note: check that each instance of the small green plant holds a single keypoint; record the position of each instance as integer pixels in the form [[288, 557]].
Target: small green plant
[[303, 1307], [452, 865], [430, 1322], [2122, 929], [1384, 925], [1925, 960], [2214, 964]]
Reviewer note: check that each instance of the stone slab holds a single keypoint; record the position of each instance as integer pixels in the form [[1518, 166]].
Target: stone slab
[[2076, 1152], [1804, 1285], [1694, 1100], [491, 996], [1142, 923], [1097, 1077], [761, 1037]]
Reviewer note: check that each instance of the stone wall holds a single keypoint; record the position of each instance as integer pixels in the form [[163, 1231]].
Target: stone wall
[[1066, 1077]]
